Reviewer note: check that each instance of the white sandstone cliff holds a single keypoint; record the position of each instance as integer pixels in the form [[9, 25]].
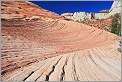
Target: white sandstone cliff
[[80, 16]]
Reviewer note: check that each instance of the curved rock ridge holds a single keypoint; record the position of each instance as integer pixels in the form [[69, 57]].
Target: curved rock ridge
[[97, 64], [28, 43], [52, 49], [24, 10]]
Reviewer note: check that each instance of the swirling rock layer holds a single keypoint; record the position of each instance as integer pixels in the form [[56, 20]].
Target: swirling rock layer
[[58, 50], [53, 49]]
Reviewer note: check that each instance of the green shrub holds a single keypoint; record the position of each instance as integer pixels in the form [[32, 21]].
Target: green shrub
[[119, 49], [116, 25]]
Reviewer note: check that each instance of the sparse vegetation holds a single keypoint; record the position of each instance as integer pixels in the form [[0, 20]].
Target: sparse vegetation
[[119, 49], [116, 25]]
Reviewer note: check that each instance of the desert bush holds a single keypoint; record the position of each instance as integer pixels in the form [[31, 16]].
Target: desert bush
[[116, 25], [119, 49]]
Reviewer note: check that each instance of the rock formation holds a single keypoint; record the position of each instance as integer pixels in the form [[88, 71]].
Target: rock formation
[[115, 8], [24, 10], [104, 11], [53, 49], [81, 16]]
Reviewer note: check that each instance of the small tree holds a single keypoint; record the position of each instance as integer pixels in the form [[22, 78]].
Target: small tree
[[116, 25]]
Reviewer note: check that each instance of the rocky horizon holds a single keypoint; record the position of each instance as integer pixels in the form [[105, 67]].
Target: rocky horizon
[[103, 14]]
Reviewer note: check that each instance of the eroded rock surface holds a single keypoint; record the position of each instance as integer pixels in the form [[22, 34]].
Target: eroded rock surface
[[53, 49], [25, 10]]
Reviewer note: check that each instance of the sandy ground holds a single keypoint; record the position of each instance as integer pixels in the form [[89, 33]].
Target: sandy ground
[[58, 50]]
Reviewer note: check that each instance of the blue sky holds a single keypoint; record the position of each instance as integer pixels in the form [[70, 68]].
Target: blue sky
[[60, 7]]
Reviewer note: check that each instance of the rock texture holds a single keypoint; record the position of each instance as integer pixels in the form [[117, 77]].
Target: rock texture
[[115, 8], [53, 49], [24, 10], [101, 23], [81, 16]]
